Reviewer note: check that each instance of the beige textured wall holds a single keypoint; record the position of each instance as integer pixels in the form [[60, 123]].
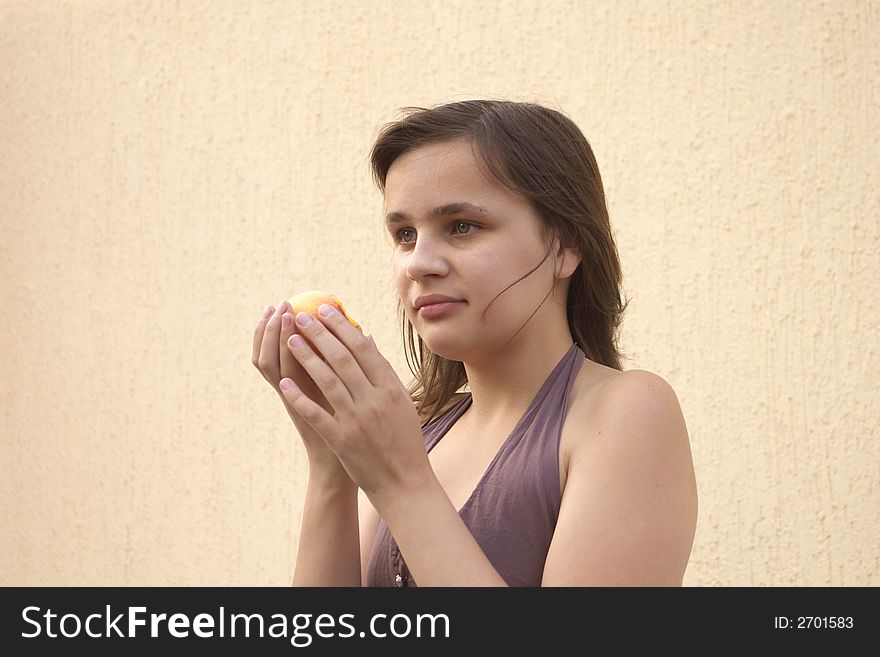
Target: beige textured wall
[[168, 168]]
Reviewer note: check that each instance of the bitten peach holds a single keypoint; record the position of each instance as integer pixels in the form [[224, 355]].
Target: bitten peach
[[308, 302]]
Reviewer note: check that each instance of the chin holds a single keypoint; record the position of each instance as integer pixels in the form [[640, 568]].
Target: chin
[[448, 344]]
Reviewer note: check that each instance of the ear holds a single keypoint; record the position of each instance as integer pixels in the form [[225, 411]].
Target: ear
[[567, 260]]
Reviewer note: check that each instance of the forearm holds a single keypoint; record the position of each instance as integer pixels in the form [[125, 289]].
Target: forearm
[[437, 546], [329, 551]]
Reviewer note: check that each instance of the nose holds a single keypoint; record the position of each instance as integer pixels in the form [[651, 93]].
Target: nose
[[426, 259]]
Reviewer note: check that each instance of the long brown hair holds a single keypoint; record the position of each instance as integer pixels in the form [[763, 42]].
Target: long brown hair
[[540, 154]]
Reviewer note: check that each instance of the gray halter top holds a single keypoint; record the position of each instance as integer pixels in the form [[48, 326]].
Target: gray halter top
[[513, 509]]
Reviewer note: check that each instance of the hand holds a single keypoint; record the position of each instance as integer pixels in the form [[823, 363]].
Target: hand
[[373, 427], [274, 361]]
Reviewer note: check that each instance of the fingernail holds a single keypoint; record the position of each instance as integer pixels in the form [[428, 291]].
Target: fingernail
[[285, 384], [286, 322], [325, 310], [266, 312], [303, 319]]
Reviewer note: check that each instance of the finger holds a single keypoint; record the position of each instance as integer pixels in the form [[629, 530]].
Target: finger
[[371, 363], [258, 334], [287, 361], [336, 354], [328, 382], [269, 352], [319, 419]]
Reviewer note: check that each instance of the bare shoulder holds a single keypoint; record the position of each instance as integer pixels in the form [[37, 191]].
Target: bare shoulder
[[639, 394], [622, 419], [630, 399], [630, 490], [639, 424]]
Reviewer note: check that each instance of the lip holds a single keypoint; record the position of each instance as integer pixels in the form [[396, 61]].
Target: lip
[[437, 310], [431, 299]]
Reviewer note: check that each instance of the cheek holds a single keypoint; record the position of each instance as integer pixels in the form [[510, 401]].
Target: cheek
[[493, 274], [401, 281], [502, 277], [397, 269]]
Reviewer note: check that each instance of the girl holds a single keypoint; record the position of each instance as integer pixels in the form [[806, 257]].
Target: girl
[[554, 467]]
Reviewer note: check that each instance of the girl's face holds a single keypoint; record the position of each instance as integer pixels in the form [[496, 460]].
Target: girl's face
[[461, 234]]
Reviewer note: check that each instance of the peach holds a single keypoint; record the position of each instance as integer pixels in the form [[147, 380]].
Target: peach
[[308, 302]]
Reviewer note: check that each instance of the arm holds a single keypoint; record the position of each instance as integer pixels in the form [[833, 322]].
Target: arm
[[329, 553], [629, 509], [368, 520], [438, 547]]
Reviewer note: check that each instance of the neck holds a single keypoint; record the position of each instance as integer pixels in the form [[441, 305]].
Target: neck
[[505, 382]]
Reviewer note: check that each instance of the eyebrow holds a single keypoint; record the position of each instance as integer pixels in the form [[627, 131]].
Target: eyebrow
[[442, 211]]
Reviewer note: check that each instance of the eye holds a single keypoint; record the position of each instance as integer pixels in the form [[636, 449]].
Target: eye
[[406, 236], [399, 235], [463, 223]]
